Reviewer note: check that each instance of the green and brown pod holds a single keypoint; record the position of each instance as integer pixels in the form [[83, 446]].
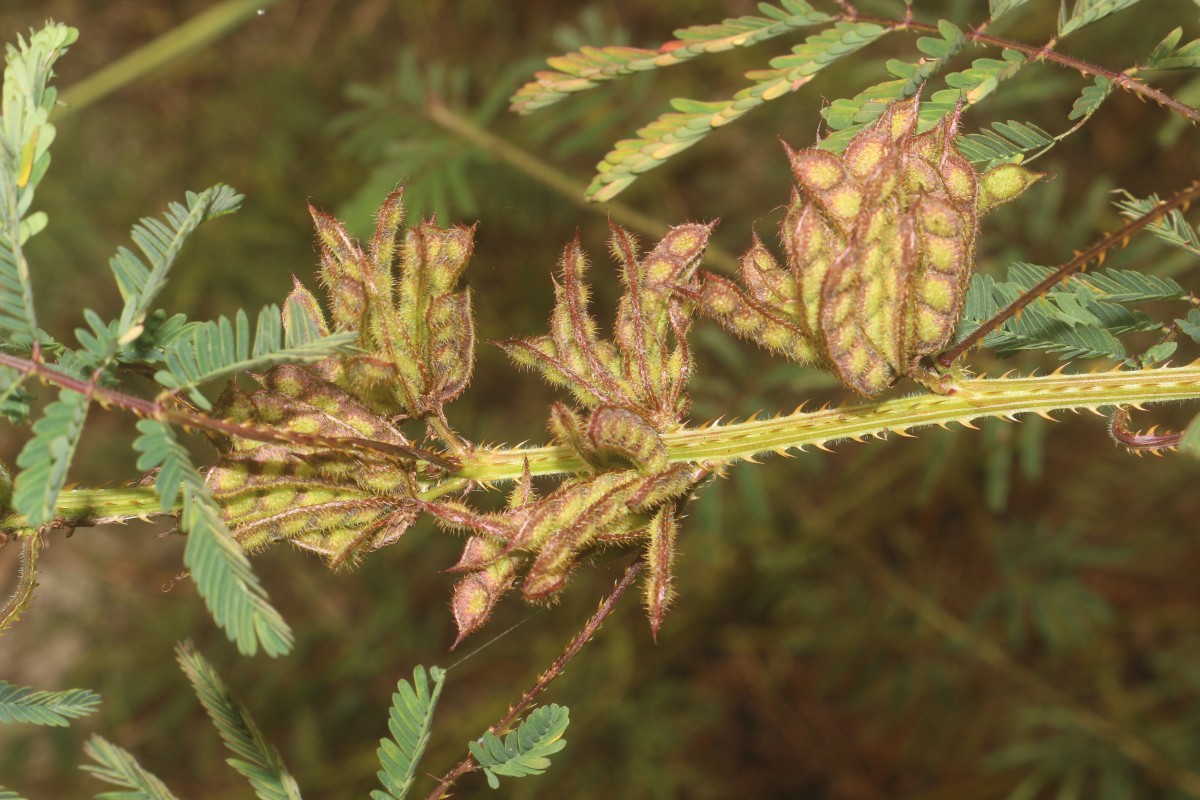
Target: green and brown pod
[[880, 244]]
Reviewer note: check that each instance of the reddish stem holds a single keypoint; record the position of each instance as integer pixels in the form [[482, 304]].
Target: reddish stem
[[583, 637], [1079, 263]]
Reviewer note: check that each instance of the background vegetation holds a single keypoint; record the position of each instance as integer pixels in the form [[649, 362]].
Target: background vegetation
[[916, 619]]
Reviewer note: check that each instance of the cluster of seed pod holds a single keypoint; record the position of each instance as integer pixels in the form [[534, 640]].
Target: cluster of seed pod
[[630, 391], [415, 353], [880, 244]]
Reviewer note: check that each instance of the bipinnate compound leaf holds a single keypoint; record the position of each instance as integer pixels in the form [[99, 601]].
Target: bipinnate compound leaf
[[117, 766], [45, 458], [25, 138], [1174, 229], [256, 760], [525, 751], [218, 567], [160, 242], [692, 120], [1085, 12], [23, 704], [409, 722], [591, 66], [1080, 319], [867, 105], [220, 349]]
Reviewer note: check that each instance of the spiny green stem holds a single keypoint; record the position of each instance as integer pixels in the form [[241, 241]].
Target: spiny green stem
[[972, 398], [558, 181]]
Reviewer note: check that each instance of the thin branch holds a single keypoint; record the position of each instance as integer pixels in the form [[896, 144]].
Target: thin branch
[[544, 680], [1080, 262], [152, 409], [937, 618], [1047, 53], [558, 181]]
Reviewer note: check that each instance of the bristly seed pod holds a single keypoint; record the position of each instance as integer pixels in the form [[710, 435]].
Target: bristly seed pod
[[416, 333], [880, 243]]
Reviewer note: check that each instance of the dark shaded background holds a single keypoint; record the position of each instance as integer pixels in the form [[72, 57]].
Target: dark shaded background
[[909, 619]]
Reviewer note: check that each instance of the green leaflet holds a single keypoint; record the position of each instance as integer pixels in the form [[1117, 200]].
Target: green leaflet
[[868, 104], [1007, 143], [1169, 55], [525, 751], [576, 72], [160, 243], [23, 704], [256, 760], [692, 120], [1174, 229], [1079, 320], [25, 138], [218, 566], [998, 8], [117, 766], [14, 399], [1085, 12], [1089, 101], [45, 459], [219, 349], [409, 722]]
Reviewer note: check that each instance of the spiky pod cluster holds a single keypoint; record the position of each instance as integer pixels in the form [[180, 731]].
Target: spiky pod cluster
[[629, 392], [880, 246], [416, 349]]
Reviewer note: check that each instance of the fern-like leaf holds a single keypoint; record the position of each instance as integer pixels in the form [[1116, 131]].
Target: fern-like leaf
[[257, 761], [1085, 12], [998, 8], [46, 457], [1169, 55], [868, 104], [1174, 229], [1078, 320], [118, 766], [525, 751], [692, 120], [25, 137], [1007, 143], [218, 566], [160, 242], [591, 66], [408, 722], [57, 709], [14, 400], [1089, 101], [220, 349]]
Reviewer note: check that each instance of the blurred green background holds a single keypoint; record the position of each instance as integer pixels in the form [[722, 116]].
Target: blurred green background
[[945, 617]]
